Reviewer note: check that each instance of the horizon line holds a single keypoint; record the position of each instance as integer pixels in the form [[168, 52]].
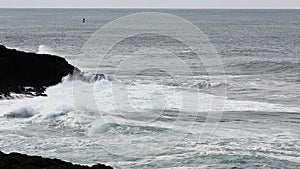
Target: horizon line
[[134, 8]]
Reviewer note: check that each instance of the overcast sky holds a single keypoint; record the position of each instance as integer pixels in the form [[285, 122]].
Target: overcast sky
[[150, 3]]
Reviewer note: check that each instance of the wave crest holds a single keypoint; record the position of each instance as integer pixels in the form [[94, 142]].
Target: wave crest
[[88, 77], [25, 112]]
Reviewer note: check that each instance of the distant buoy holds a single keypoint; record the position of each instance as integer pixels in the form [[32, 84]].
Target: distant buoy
[[83, 20]]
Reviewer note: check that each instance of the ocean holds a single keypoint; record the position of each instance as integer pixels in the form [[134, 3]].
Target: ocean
[[161, 104]]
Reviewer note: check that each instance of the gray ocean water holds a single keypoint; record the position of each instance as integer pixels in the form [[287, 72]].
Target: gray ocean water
[[259, 128]]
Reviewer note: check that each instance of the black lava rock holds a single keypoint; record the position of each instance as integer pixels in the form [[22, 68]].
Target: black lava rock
[[22, 161], [30, 73]]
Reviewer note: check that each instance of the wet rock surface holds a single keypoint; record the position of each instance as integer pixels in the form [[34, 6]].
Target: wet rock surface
[[22, 161], [30, 73]]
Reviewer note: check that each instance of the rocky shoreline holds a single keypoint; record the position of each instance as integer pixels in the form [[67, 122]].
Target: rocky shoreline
[[30, 73], [22, 161]]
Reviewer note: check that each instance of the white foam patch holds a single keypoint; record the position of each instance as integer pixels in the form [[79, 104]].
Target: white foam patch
[[118, 122], [77, 101], [46, 50], [140, 102]]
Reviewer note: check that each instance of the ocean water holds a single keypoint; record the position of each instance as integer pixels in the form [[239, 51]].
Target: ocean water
[[141, 116]]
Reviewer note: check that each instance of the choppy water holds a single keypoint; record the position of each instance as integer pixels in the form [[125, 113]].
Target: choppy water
[[146, 127]]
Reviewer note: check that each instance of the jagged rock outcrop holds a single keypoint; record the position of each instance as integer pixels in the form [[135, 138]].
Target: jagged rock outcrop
[[22, 161], [30, 73]]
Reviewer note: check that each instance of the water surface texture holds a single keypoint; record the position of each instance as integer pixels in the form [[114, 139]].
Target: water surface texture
[[259, 127]]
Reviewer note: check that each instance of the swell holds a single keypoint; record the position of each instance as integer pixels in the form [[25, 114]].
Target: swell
[[270, 67]]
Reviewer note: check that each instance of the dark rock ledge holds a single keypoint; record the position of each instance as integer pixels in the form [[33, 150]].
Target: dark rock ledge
[[30, 73], [21, 161]]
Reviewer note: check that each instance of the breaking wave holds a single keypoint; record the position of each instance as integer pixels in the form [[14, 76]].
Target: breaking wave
[[45, 50]]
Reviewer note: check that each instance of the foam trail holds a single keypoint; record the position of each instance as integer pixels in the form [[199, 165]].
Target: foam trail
[[61, 95]]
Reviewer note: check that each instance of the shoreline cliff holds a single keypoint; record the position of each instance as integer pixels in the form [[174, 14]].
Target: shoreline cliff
[[30, 73]]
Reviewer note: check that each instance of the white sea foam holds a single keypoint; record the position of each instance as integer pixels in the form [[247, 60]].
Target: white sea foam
[[46, 50], [143, 101], [146, 117]]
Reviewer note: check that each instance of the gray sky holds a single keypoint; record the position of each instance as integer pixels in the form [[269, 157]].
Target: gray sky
[[150, 3]]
